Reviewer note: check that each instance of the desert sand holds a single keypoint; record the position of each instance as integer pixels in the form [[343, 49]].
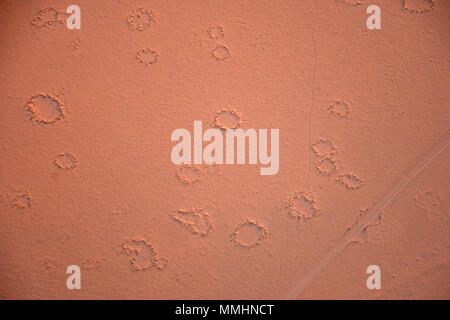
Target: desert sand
[[86, 178]]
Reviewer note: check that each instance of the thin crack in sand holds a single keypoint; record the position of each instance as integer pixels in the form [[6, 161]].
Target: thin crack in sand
[[312, 90]]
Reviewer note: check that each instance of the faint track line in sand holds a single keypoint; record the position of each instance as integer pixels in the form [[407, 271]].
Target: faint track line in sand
[[310, 111], [308, 168], [313, 87], [366, 219], [285, 246]]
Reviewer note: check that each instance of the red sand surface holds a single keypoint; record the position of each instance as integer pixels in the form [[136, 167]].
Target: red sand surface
[[86, 177]]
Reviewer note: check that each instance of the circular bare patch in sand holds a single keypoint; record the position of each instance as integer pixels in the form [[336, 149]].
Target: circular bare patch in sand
[[326, 166], [249, 234], [216, 32], [189, 173], [19, 199], [65, 161], [147, 56], [302, 206], [418, 6], [340, 108], [140, 19], [323, 148], [45, 108], [228, 119], [220, 53], [143, 255], [49, 18], [350, 181]]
